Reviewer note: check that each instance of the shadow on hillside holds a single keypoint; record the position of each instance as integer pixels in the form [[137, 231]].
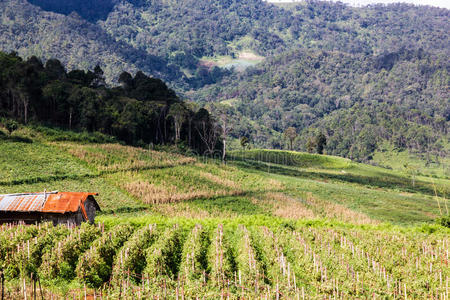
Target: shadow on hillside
[[124, 209], [95, 174], [14, 138], [381, 181], [241, 204]]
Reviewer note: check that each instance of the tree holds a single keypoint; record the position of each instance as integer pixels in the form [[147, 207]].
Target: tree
[[311, 144], [178, 113], [11, 126], [99, 77], [126, 80], [55, 70], [291, 135], [206, 129], [245, 142], [321, 142], [192, 108], [223, 113]]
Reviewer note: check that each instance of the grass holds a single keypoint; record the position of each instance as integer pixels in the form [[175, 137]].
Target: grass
[[407, 162], [245, 59], [29, 162], [135, 181], [278, 214]]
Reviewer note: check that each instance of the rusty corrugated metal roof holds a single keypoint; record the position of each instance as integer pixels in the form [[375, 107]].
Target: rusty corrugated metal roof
[[47, 202]]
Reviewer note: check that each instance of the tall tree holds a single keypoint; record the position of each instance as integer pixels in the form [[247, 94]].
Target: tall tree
[[178, 114], [321, 142], [223, 113], [290, 134], [206, 130]]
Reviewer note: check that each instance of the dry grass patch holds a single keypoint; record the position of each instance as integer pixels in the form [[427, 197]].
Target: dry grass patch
[[338, 211], [116, 157], [220, 180], [153, 194], [181, 210], [288, 207]]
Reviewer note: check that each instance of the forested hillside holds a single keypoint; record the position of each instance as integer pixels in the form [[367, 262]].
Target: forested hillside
[[224, 27], [358, 76], [165, 37], [357, 101], [78, 44]]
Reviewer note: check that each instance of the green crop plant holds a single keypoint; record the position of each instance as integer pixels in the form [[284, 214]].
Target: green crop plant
[[62, 260], [131, 257], [95, 265]]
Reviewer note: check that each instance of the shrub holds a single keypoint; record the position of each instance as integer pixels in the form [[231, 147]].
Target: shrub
[[444, 221]]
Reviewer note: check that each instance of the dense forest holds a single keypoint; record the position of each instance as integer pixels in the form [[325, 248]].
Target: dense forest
[[168, 39], [357, 101], [141, 111], [201, 28]]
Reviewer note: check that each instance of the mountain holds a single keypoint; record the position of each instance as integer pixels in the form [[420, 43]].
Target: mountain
[[357, 101], [77, 43], [224, 27], [164, 37]]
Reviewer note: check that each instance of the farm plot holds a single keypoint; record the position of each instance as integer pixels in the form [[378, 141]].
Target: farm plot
[[237, 260]]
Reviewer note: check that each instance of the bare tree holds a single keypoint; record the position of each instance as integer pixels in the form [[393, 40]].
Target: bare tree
[[192, 109], [178, 113], [223, 114], [208, 134]]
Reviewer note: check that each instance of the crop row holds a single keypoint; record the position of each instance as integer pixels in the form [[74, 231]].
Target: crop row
[[174, 261]]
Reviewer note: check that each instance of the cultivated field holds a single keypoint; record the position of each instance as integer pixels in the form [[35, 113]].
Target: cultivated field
[[249, 257]]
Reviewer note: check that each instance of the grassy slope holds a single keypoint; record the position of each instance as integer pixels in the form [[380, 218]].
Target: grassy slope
[[411, 163], [277, 190], [286, 184]]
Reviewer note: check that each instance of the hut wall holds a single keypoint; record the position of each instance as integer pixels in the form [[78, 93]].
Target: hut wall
[[18, 217], [66, 219], [91, 209]]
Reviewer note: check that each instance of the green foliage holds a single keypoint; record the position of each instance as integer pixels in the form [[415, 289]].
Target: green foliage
[[357, 111], [248, 256], [28, 259], [245, 142], [329, 67], [140, 35], [139, 113], [131, 258], [163, 258], [59, 135], [221, 263], [290, 134], [9, 239], [291, 158], [426, 164], [444, 221], [61, 262], [26, 163], [10, 125], [95, 265], [194, 256]]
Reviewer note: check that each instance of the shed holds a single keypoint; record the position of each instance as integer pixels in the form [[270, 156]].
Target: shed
[[58, 207]]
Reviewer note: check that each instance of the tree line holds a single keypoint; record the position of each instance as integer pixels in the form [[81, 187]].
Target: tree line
[[142, 110]]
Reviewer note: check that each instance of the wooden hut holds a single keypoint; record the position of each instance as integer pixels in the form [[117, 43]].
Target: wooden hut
[[58, 207]]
